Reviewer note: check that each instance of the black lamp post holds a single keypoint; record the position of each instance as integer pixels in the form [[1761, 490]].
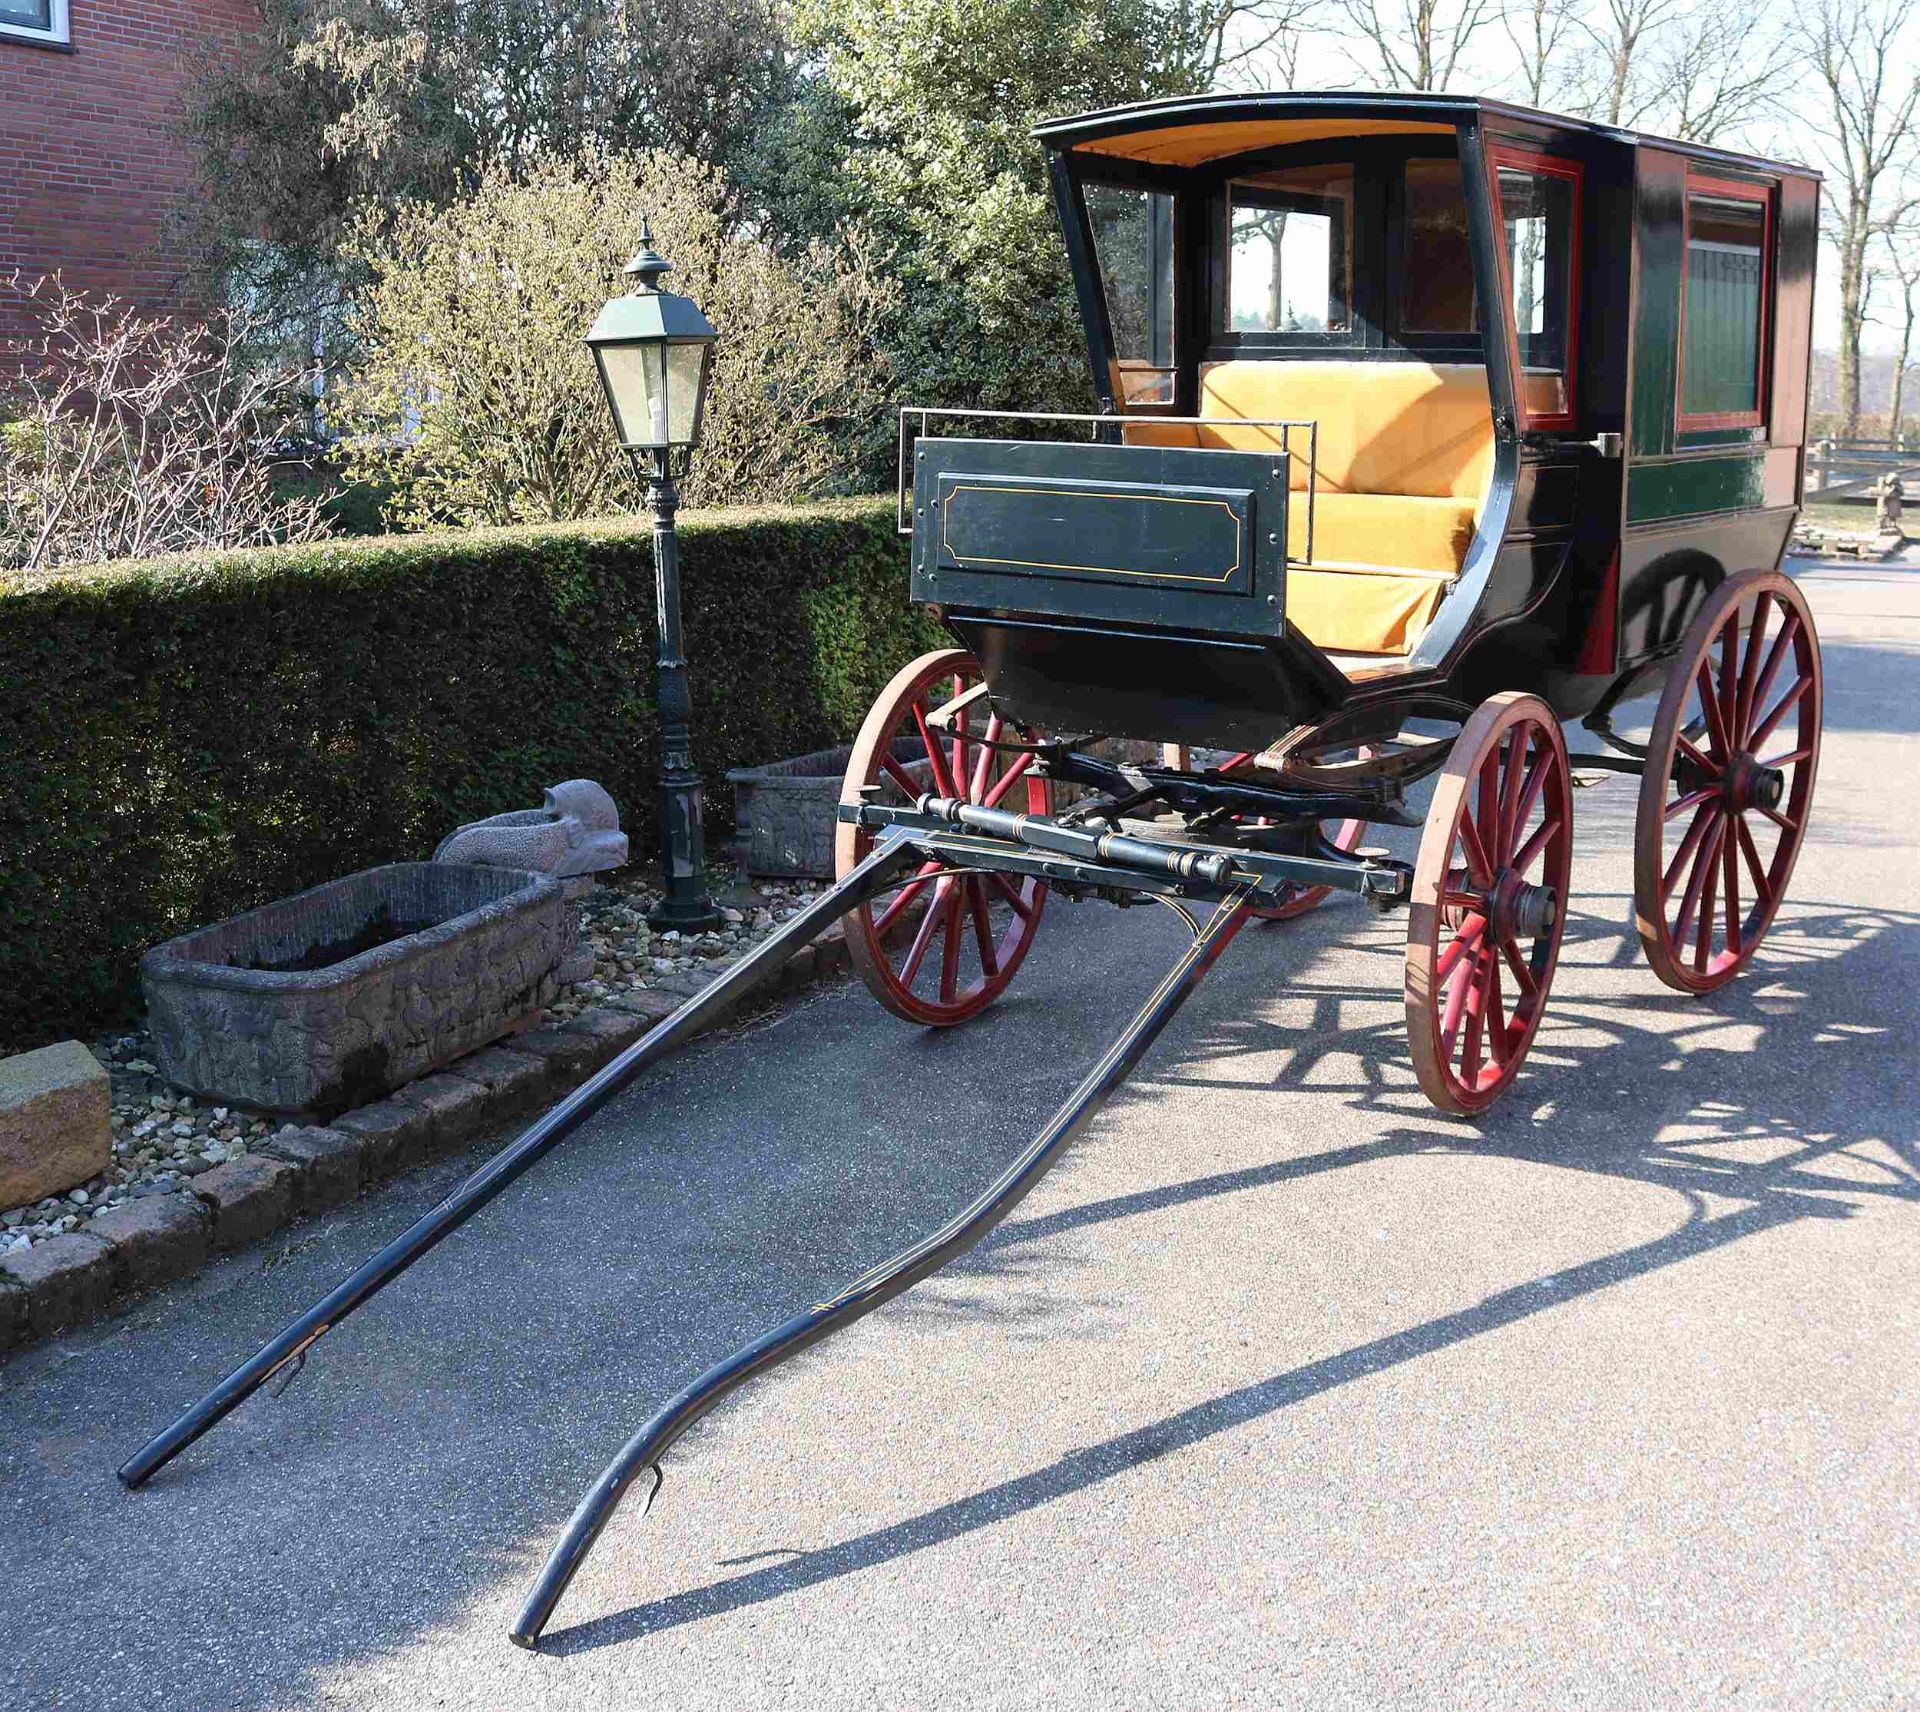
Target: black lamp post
[[654, 351]]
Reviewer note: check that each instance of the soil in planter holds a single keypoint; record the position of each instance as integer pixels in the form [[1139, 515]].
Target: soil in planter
[[381, 929]]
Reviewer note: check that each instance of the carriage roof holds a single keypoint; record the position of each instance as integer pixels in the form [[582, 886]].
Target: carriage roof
[[1189, 131]]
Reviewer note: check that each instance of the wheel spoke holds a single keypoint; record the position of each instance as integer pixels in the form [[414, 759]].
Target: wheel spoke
[[1781, 709], [1476, 1023], [917, 951], [1496, 1012], [1693, 799], [1467, 939], [1750, 667], [903, 902], [1691, 750], [1005, 782], [1694, 833], [1479, 869], [1775, 654], [982, 925], [1513, 773], [1710, 704], [1703, 859], [1524, 856], [1703, 938], [1730, 886], [1522, 970], [1015, 900], [959, 768], [1456, 990], [1784, 822], [1530, 791], [1762, 888], [900, 777], [1788, 759], [942, 780], [1729, 670], [951, 933], [977, 789]]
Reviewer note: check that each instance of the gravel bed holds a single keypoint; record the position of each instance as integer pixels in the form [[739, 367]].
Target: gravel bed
[[162, 1137]]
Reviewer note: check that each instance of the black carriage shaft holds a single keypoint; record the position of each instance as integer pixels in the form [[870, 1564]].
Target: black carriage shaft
[[884, 1282]]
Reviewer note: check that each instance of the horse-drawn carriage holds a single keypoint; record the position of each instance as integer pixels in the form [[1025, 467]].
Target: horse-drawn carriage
[[1425, 424]]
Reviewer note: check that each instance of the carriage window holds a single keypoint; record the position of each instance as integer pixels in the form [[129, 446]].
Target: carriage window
[[1437, 263], [1133, 245], [1723, 307], [1539, 216], [1292, 254]]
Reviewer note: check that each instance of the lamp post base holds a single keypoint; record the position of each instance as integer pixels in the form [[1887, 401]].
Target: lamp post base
[[684, 915]]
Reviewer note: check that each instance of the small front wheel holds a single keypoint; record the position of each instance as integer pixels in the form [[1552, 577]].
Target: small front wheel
[[941, 947], [1489, 895]]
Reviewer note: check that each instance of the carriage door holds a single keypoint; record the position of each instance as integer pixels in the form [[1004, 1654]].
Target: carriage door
[[1538, 198]]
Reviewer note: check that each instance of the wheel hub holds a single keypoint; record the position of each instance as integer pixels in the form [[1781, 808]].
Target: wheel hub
[[1750, 785], [1523, 911]]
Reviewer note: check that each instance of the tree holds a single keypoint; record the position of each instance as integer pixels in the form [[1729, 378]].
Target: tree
[[944, 175], [474, 399], [1904, 260], [1415, 44], [1539, 31], [335, 105], [124, 435], [1859, 57]]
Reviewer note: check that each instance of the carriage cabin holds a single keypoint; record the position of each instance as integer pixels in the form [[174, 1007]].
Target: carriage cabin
[[1511, 393]]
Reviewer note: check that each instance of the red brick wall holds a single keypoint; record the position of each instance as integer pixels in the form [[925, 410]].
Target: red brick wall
[[90, 167]]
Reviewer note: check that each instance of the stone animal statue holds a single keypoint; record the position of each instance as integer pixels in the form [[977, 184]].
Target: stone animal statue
[[578, 832]]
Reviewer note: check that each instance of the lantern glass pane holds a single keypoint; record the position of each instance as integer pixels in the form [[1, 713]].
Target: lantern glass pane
[[685, 363], [637, 389]]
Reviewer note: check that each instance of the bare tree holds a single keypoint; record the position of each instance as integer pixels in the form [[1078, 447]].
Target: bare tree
[[1904, 258], [126, 436], [1618, 85], [1540, 31], [1237, 44], [1717, 70], [1414, 44], [1858, 54]]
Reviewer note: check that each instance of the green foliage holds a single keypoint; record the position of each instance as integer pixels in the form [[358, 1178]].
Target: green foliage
[[474, 400], [941, 98], [188, 738]]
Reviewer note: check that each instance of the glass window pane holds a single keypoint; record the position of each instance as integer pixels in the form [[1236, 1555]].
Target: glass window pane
[[1133, 248], [1726, 269], [1292, 252], [1438, 295], [27, 14], [1536, 212]]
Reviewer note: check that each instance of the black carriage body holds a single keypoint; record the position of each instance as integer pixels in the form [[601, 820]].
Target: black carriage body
[[1639, 395]]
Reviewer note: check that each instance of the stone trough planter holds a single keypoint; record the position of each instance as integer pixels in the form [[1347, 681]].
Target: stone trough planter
[[785, 812], [331, 998]]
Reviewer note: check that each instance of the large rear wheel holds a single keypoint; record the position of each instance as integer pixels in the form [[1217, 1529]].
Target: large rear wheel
[[1728, 783], [943, 946], [1489, 895]]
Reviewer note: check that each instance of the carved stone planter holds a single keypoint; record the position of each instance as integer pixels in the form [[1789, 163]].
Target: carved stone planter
[[331, 998], [785, 812]]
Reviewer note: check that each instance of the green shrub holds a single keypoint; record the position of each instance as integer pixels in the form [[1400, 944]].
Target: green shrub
[[188, 738]]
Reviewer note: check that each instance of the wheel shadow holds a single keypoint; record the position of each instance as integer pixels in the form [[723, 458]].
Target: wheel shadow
[[1826, 1132]]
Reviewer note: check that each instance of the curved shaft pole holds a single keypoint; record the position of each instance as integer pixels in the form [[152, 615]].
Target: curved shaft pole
[[890, 855], [884, 1282]]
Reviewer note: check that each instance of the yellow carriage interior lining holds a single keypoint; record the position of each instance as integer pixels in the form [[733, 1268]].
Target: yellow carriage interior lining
[[1402, 457]]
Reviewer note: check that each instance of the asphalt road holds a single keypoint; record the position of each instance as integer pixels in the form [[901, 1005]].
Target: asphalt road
[[1281, 1392]]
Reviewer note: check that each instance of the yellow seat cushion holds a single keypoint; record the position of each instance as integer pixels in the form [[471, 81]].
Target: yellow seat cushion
[[1401, 459]]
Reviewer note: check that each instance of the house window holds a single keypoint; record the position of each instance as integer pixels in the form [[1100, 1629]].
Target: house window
[[1723, 305], [1133, 245], [1292, 252], [1539, 211], [34, 20]]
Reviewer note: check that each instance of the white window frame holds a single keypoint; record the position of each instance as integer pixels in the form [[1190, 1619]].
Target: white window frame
[[56, 34]]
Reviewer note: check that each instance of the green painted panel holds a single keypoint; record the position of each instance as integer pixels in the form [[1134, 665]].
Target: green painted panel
[[1686, 486]]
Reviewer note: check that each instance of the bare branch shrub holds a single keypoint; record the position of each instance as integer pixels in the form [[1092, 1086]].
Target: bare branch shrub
[[475, 399], [123, 436]]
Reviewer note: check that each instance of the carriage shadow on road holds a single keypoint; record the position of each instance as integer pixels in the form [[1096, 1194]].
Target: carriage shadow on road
[[1816, 1137]]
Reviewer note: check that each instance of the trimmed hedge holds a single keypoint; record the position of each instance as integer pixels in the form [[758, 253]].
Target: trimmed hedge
[[183, 739]]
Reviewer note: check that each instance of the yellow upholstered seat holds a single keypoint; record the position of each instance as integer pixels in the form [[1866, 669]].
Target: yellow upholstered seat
[[1401, 459]]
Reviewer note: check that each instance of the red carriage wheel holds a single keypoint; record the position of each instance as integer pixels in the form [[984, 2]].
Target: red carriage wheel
[[1489, 902], [1728, 781], [942, 947]]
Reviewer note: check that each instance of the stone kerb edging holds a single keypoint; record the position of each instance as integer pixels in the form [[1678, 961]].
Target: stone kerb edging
[[65, 1281]]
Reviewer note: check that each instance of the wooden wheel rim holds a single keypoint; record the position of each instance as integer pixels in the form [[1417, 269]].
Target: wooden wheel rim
[[1495, 860], [1728, 785], [955, 961]]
